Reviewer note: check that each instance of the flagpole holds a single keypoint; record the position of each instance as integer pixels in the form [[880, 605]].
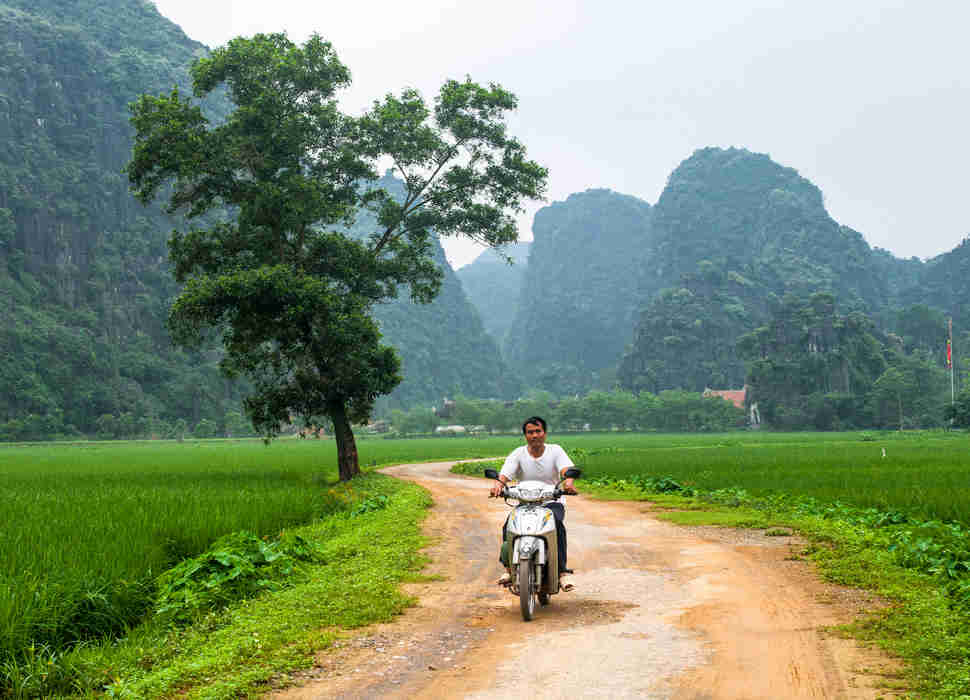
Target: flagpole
[[949, 361]]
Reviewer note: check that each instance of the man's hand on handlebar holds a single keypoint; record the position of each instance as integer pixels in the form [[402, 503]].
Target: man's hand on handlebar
[[569, 488], [497, 489]]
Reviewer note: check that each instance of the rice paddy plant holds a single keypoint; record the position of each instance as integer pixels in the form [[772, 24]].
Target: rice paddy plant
[[86, 528], [926, 475]]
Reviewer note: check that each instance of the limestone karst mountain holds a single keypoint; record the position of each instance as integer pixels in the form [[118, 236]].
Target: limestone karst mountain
[[577, 302], [492, 283], [733, 234], [85, 283]]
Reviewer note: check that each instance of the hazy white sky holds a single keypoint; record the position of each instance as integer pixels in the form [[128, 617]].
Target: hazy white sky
[[868, 99]]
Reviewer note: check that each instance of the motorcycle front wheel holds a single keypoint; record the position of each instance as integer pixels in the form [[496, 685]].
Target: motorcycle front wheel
[[527, 597]]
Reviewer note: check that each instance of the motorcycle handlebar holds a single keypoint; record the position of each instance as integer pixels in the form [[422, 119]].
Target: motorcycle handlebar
[[555, 494]]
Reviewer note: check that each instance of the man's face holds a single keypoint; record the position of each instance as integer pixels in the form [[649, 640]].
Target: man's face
[[535, 436]]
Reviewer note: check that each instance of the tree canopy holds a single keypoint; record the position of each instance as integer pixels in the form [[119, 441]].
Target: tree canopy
[[278, 277]]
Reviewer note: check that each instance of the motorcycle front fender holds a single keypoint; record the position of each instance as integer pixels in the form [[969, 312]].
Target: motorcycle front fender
[[527, 547]]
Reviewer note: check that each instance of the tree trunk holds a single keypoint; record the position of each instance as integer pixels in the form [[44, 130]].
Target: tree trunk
[[346, 445]]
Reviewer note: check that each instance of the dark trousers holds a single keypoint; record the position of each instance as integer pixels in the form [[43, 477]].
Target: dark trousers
[[559, 513]]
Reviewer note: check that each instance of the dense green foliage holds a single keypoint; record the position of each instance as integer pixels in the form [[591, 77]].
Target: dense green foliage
[[744, 213], [493, 282], [685, 338], [944, 283], [732, 231], [84, 286], [959, 410], [577, 301], [811, 367]]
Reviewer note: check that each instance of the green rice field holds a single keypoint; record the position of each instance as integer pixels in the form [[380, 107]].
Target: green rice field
[[88, 527], [924, 474]]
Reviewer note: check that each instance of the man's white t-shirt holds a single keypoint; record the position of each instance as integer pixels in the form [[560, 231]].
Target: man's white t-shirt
[[522, 466]]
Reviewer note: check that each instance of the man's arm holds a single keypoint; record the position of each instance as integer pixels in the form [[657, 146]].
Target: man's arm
[[563, 463], [497, 488], [508, 468]]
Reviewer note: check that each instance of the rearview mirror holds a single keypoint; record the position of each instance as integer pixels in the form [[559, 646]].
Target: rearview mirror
[[572, 473], [491, 474]]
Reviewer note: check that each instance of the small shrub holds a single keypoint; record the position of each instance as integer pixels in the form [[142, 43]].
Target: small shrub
[[369, 505], [237, 566], [778, 532]]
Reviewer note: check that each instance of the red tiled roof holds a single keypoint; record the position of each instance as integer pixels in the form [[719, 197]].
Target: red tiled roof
[[735, 396]]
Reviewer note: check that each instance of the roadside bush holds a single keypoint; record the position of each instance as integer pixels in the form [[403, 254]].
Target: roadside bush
[[239, 565]]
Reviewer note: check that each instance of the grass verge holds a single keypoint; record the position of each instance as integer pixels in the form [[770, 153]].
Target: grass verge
[[364, 553], [927, 624]]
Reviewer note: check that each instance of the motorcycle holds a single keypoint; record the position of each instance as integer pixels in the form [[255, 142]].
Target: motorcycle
[[531, 550]]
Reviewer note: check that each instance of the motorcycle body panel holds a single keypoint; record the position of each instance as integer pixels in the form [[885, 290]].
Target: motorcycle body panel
[[531, 533]]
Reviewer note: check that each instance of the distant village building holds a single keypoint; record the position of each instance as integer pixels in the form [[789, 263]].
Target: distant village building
[[735, 396], [450, 430], [739, 397], [447, 409]]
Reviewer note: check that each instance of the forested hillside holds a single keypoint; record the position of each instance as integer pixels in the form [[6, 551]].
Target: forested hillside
[[445, 351], [83, 274], [944, 283], [577, 303], [492, 285], [85, 284], [733, 233]]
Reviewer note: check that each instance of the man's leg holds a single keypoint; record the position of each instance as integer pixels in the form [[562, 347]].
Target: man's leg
[[559, 511], [506, 578]]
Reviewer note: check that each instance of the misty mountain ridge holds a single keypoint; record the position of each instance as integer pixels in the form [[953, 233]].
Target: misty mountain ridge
[[492, 285], [611, 290], [85, 282], [579, 294]]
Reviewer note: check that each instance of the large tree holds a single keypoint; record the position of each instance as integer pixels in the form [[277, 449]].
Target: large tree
[[270, 194]]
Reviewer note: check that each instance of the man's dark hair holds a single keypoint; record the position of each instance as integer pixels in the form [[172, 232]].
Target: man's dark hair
[[535, 420]]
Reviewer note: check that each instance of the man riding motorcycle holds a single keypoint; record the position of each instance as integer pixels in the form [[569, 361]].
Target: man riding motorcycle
[[538, 461]]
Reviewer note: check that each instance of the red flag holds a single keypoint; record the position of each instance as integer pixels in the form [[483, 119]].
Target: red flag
[[949, 345]]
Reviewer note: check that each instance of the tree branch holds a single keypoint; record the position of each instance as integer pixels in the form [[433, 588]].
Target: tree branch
[[406, 208]]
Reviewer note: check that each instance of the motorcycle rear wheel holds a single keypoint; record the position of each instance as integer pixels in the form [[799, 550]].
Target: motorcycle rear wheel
[[527, 597]]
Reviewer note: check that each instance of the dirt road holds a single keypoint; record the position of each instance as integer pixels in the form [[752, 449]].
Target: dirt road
[[659, 611]]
